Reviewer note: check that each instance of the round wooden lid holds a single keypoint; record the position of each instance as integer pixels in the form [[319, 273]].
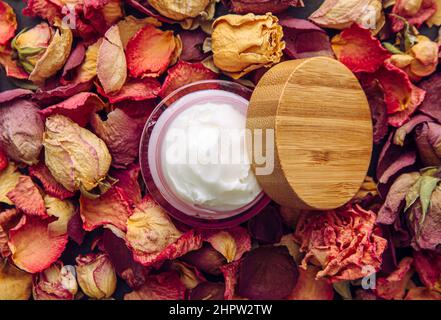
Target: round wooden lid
[[322, 133]]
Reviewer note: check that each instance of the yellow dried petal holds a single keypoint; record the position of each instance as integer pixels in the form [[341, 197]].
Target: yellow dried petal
[[8, 180], [111, 63], [339, 14], [87, 70], [242, 44], [224, 243], [436, 18], [15, 284], [63, 210], [180, 10], [131, 25], [55, 56]]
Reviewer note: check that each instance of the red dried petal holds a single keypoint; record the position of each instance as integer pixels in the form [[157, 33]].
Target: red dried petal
[[27, 197], [3, 160], [427, 9], [50, 185], [192, 42], [112, 208], [75, 59], [33, 248], [163, 286], [422, 294], [230, 272], [428, 266], [134, 89], [149, 52], [12, 69], [78, 108], [8, 23], [54, 95], [45, 9], [184, 73], [189, 241], [342, 241], [401, 96], [359, 50], [240, 236], [128, 181], [393, 287], [75, 229], [8, 219], [310, 288]]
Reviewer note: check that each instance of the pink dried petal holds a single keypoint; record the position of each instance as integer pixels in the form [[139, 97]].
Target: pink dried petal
[[10, 95], [27, 198], [393, 287], [59, 93], [128, 181], [261, 6], [78, 108], [134, 89], [230, 272], [75, 229]]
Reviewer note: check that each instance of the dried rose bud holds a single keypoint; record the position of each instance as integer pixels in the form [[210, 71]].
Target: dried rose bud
[[21, 142], [242, 44], [96, 275], [57, 282], [208, 291], [181, 10], [414, 11], [206, 259], [77, 158], [42, 51]]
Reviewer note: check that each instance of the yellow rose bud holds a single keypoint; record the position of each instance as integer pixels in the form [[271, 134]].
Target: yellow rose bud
[[96, 275], [57, 282], [242, 44]]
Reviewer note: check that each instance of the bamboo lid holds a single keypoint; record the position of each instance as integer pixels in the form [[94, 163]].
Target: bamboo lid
[[323, 133]]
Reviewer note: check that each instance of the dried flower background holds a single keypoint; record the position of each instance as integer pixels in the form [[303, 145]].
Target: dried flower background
[[75, 221]]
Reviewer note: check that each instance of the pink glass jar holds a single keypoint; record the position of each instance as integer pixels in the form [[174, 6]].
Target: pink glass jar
[[152, 155]]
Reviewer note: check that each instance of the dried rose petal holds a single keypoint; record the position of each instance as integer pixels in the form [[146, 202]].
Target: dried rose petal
[[190, 276], [131, 25], [304, 39], [230, 272], [121, 134], [375, 96], [208, 291], [192, 43], [57, 282], [163, 286], [101, 14], [134, 89], [310, 288], [75, 156], [430, 105], [47, 96], [8, 23], [111, 63], [401, 96], [50, 185], [231, 243], [87, 71], [393, 287], [110, 208], [27, 197], [261, 6], [266, 227], [10, 95], [33, 248], [122, 259], [184, 73], [78, 108], [22, 143], [359, 50], [340, 14], [267, 273], [206, 259], [8, 219], [341, 242], [422, 294], [128, 181], [75, 229], [96, 275], [12, 69], [415, 12], [75, 59], [150, 52], [8, 180], [15, 284], [241, 43], [153, 238], [63, 210], [428, 266]]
